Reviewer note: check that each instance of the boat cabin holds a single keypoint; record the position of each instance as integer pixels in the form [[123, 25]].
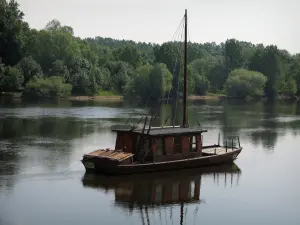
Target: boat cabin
[[160, 144]]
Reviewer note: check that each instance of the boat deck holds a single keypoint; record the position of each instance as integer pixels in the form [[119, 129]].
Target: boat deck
[[217, 150], [110, 154]]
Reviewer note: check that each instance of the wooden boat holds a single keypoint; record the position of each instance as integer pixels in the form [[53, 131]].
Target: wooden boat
[[139, 150]]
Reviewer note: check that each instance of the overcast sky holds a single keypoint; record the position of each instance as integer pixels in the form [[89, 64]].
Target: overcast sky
[[258, 21]]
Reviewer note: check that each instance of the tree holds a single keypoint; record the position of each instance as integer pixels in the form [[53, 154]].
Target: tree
[[140, 85], [233, 55], [55, 25], [205, 65], [128, 54], [201, 84], [217, 77], [169, 54], [121, 74], [80, 79], [160, 81], [268, 62], [103, 78], [294, 72], [243, 83], [29, 68], [55, 45], [12, 28], [59, 69], [289, 88], [12, 79]]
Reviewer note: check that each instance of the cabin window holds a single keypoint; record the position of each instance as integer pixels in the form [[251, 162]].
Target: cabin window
[[177, 144], [193, 144], [159, 146]]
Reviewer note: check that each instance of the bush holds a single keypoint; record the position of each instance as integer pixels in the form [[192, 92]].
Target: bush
[[151, 81], [48, 87], [243, 83]]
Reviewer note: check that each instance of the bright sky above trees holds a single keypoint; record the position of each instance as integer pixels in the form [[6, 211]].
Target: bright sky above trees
[[258, 21]]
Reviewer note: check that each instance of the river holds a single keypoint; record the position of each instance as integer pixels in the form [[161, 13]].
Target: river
[[42, 181]]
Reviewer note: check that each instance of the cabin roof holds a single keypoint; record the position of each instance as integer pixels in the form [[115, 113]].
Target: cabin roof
[[172, 131], [159, 131]]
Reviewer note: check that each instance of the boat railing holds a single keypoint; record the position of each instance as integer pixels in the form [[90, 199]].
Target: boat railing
[[232, 142]]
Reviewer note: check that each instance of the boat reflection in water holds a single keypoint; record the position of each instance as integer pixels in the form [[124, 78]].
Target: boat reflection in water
[[160, 189]]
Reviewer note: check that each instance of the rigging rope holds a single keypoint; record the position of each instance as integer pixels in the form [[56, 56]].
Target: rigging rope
[[178, 54]]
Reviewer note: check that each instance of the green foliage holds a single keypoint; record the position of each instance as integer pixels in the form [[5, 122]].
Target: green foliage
[[59, 69], [128, 54], [289, 88], [217, 77], [140, 85], [12, 79], [151, 82], [294, 72], [48, 87], [105, 65], [267, 61], [30, 68], [205, 65], [242, 83], [201, 85], [54, 25], [121, 75], [160, 81], [233, 55], [105, 93], [12, 29], [169, 54]]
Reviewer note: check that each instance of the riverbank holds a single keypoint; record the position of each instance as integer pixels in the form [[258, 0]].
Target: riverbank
[[208, 97], [121, 98], [99, 98]]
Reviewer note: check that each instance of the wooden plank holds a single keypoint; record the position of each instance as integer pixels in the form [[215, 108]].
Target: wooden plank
[[104, 152], [120, 156], [107, 154], [113, 154], [125, 157], [94, 152]]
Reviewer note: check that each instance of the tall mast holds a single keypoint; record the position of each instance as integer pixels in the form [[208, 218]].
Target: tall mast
[[185, 123]]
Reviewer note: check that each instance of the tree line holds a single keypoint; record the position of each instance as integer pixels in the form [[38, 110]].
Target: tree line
[[53, 62]]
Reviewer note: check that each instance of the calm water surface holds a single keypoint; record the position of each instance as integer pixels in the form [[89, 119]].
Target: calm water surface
[[42, 181]]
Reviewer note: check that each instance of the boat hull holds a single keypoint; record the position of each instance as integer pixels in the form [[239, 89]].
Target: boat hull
[[91, 165]]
